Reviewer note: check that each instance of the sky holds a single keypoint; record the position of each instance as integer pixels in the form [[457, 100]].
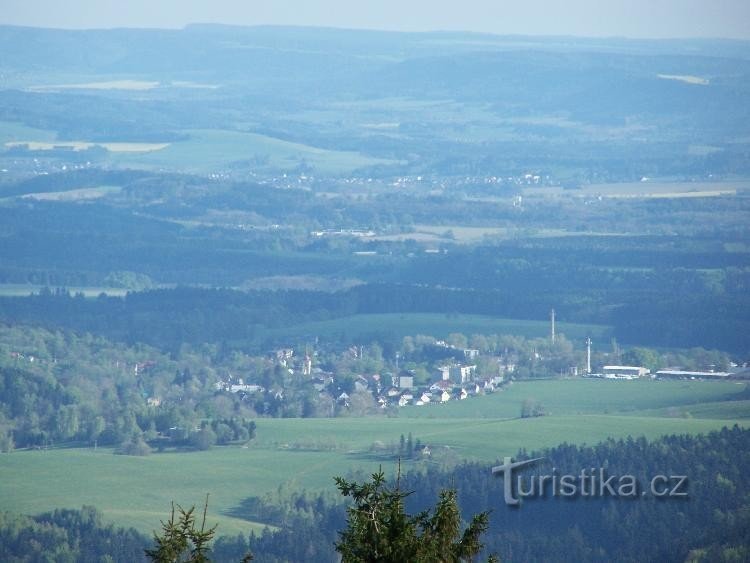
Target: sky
[[592, 18]]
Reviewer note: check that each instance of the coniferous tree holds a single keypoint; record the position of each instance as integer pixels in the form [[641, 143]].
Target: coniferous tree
[[181, 540], [379, 529]]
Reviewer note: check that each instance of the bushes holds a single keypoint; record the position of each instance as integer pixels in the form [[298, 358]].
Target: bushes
[[135, 445]]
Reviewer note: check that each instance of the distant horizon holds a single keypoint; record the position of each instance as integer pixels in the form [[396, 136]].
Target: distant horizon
[[624, 19], [378, 30]]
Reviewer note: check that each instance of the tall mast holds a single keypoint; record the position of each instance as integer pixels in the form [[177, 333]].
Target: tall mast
[[552, 327]]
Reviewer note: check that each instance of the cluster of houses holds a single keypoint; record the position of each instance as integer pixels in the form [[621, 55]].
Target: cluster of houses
[[454, 383], [451, 381]]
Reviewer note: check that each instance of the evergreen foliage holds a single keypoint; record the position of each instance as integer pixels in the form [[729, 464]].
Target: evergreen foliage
[[67, 535], [181, 540], [380, 531]]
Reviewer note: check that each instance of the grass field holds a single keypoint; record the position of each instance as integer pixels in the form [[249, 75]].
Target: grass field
[[587, 396], [648, 189], [445, 233], [206, 150], [79, 194], [398, 325], [211, 150], [292, 454], [719, 410], [460, 234], [133, 491], [11, 131]]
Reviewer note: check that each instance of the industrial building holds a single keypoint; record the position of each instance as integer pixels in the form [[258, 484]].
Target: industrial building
[[624, 372], [681, 374]]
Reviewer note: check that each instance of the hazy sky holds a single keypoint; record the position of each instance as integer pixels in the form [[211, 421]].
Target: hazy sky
[[630, 18]]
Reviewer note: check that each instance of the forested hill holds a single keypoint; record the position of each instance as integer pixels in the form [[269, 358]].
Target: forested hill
[[67, 535], [166, 318]]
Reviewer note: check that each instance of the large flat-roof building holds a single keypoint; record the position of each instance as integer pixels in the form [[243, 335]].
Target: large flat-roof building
[[624, 372], [683, 374]]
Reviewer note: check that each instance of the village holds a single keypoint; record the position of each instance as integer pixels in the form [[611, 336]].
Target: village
[[448, 370], [451, 380]]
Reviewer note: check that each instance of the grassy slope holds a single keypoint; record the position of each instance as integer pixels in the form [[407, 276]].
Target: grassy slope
[[306, 453], [484, 439], [716, 410], [584, 396], [137, 492], [211, 150], [12, 131]]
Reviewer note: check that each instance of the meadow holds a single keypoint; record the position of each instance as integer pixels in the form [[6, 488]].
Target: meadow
[[461, 234], [80, 194], [11, 131], [589, 396], [204, 151], [645, 189], [294, 454], [209, 150]]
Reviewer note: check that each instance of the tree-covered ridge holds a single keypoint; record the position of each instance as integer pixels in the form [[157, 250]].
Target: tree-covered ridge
[[167, 318], [65, 536], [713, 517], [61, 387]]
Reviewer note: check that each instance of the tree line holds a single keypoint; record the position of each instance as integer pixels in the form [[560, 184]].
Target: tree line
[[167, 318]]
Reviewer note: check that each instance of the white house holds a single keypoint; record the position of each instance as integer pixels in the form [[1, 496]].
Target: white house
[[463, 373]]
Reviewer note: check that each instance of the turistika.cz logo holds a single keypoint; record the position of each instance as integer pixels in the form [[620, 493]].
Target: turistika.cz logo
[[590, 482]]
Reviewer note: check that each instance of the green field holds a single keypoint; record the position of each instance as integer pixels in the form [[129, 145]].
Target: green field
[[205, 151], [11, 131], [720, 410], [649, 189], [470, 438], [291, 454], [398, 325], [588, 396], [78, 194], [213, 150]]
